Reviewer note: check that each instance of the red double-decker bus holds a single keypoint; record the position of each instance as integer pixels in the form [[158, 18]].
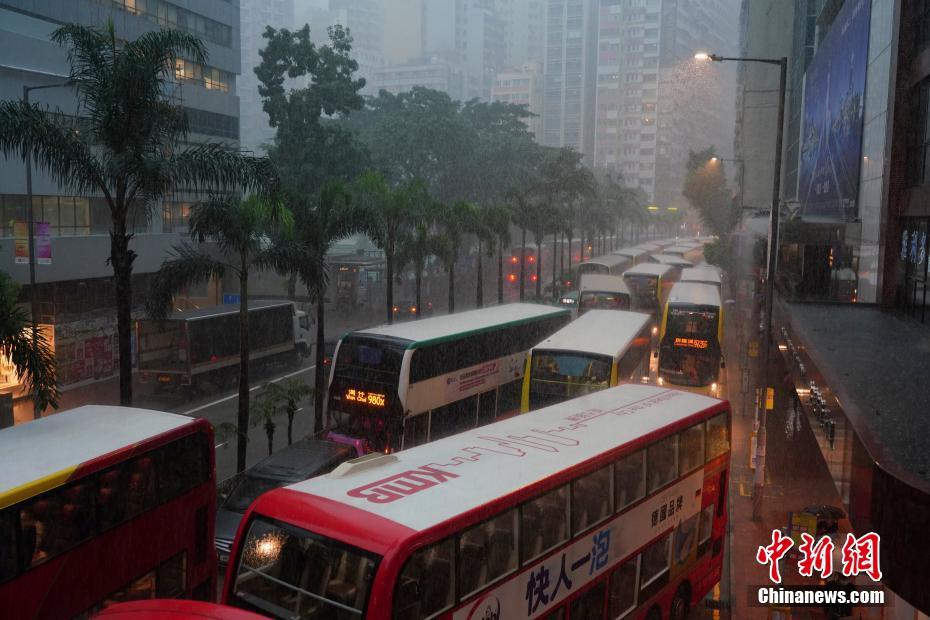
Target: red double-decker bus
[[105, 504], [611, 505]]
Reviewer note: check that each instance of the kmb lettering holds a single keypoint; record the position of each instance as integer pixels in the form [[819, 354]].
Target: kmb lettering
[[401, 485]]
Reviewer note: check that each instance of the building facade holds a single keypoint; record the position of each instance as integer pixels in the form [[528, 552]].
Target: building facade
[[522, 86], [570, 75], [434, 72], [75, 291]]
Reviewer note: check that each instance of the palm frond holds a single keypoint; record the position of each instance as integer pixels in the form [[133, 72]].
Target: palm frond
[[185, 267], [214, 167], [35, 364]]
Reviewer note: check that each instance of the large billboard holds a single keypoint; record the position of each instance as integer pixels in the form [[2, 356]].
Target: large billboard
[[834, 98]]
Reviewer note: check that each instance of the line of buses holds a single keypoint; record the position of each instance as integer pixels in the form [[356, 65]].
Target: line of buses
[[607, 500]]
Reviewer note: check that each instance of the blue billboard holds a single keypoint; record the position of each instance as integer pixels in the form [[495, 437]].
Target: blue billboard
[[834, 98]]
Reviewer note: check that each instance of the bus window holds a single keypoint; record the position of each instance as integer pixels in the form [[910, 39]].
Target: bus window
[[590, 605], [558, 614], [182, 465], [487, 407], [556, 377], [590, 499], [603, 301], [707, 523], [718, 441], [662, 462], [685, 539], [416, 430], [630, 479], [623, 589], [9, 562], [691, 449], [487, 551], [508, 399], [654, 561], [425, 585], [55, 521], [453, 418], [543, 523], [283, 572]]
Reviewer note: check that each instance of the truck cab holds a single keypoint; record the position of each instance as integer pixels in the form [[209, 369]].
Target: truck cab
[[302, 336]]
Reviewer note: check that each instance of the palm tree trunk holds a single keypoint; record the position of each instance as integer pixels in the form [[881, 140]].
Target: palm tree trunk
[[479, 292], [389, 285], [538, 272], [522, 262], [452, 286], [292, 286], [290, 425], [418, 282], [562, 255], [319, 379], [269, 432], [121, 260], [555, 245], [242, 422], [569, 252], [500, 271]]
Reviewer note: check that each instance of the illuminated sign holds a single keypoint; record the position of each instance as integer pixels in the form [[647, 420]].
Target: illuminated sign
[[374, 399], [692, 343]]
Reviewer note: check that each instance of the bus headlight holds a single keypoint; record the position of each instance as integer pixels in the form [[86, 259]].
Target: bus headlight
[[713, 388], [660, 381], [655, 330], [644, 380]]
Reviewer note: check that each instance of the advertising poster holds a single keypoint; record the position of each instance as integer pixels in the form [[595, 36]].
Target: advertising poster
[[43, 242], [834, 98], [20, 243]]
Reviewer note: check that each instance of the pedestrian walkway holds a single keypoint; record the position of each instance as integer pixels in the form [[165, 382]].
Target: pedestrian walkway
[[796, 477]]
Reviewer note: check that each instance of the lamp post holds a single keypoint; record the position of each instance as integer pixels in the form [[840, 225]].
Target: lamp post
[[30, 233], [782, 63], [742, 172]]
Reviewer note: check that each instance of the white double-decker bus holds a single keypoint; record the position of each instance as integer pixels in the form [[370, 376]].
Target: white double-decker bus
[[607, 506], [401, 385], [703, 274]]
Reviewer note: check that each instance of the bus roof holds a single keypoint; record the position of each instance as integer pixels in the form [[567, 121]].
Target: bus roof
[[703, 273], [679, 249], [607, 260], [631, 252], [694, 293], [202, 313], [604, 332], [669, 259], [436, 329], [649, 247], [648, 269], [602, 283], [457, 474], [54, 446]]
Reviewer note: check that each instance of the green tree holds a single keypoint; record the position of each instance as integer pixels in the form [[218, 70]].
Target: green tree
[[418, 244], [289, 392], [34, 362], [482, 226], [497, 217], [267, 409], [454, 220], [128, 145], [240, 229], [706, 189]]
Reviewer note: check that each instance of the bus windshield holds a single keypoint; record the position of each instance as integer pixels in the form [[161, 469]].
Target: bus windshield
[[644, 290], [556, 376], [690, 352], [603, 301], [291, 573]]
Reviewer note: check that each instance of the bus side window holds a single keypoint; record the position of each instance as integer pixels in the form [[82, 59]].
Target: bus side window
[[623, 588], [425, 585], [508, 399], [718, 441], [630, 479], [590, 499], [543, 523], [182, 465], [487, 551], [416, 429], [9, 533], [691, 448], [662, 462]]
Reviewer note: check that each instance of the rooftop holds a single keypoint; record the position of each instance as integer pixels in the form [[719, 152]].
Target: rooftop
[[602, 283], [694, 293], [701, 273], [434, 328], [876, 363], [648, 269], [605, 332]]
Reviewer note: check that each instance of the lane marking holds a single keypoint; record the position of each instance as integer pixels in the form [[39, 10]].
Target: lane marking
[[251, 389]]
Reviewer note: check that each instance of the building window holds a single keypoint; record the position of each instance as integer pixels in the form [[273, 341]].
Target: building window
[[210, 78], [212, 123], [172, 16], [919, 151], [912, 267]]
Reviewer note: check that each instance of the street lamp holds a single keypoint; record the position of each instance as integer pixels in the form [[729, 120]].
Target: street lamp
[[782, 63], [30, 225], [742, 172]]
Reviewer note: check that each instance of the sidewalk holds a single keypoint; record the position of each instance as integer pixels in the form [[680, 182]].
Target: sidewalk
[[796, 477]]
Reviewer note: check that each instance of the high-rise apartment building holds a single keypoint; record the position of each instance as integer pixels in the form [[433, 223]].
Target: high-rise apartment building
[[524, 30], [75, 291], [654, 103], [522, 86], [570, 75], [255, 16]]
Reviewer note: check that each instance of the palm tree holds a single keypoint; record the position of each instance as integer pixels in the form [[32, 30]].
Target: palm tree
[[455, 220], [240, 229], [320, 220], [127, 146], [290, 392], [267, 409], [33, 361], [498, 216], [418, 244], [483, 226], [523, 211]]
